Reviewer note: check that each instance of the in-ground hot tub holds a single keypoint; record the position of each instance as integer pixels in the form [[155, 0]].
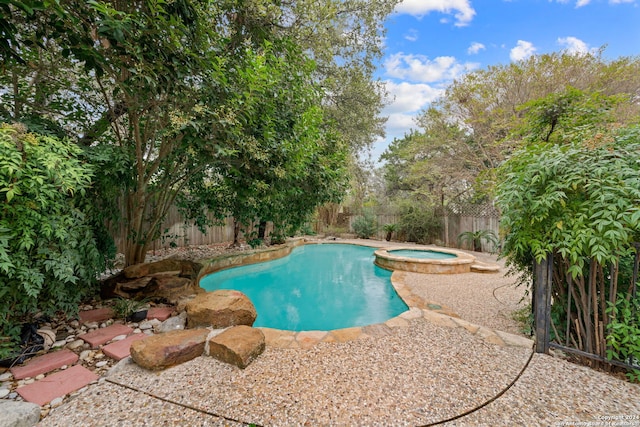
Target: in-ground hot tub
[[430, 261]]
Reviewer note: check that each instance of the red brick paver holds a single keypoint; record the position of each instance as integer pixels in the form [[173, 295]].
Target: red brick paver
[[160, 313], [45, 363], [57, 385], [103, 335], [120, 349], [97, 315]]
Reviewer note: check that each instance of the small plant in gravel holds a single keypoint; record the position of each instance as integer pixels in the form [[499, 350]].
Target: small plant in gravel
[[524, 317], [475, 238], [389, 229], [125, 308]]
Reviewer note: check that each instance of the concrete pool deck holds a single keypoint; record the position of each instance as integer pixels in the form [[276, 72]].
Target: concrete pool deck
[[422, 367]]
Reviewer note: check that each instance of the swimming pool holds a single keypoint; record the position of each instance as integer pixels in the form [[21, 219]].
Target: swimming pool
[[316, 287]]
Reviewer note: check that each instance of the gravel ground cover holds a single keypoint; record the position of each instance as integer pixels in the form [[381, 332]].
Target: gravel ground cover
[[487, 299], [420, 374], [417, 375]]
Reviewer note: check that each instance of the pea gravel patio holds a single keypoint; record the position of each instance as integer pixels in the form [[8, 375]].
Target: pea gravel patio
[[418, 374]]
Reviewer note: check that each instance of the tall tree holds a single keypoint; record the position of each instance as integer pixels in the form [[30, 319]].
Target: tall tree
[[161, 94], [468, 132]]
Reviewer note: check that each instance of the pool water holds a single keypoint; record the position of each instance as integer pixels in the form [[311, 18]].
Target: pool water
[[420, 254], [317, 287]]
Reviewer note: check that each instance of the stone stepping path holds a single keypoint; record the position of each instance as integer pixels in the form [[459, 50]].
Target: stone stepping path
[[160, 313], [104, 335], [45, 363], [118, 350], [96, 315], [57, 385], [41, 382]]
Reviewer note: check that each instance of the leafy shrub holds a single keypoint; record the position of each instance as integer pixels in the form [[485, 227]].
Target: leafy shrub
[[576, 203], [623, 332], [48, 255], [364, 226], [475, 238], [389, 229], [277, 237], [418, 222]]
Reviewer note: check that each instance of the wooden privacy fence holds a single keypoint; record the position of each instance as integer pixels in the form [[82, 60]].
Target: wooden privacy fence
[[461, 217], [176, 232]]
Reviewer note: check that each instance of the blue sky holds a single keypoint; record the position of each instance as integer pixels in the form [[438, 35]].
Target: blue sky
[[431, 42]]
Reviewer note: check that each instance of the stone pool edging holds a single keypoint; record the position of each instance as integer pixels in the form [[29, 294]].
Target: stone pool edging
[[247, 258], [418, 307]]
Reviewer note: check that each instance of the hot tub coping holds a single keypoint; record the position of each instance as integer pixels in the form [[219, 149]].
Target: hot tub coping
[[460, 264]]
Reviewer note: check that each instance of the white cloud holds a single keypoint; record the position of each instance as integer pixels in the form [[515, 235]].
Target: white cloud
[[407, 98], [411, 35], [461, 9], [621, 1], [574, 45], [581, 3], [475, 48], [522, 50], [420, 68]]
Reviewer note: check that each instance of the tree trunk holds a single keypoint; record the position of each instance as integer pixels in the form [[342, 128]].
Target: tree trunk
[[236, 233], [262, 228]]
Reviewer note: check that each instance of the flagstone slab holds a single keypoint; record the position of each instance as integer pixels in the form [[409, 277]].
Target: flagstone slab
[[120, 349], [43, 364], [96, 315], [160, 313], [103, 335], [57, 385]]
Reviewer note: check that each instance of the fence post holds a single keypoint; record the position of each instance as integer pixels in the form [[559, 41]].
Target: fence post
[[542, 302]]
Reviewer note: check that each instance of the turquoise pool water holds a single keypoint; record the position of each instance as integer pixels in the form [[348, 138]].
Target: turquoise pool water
[[421, 254], [317, 287]]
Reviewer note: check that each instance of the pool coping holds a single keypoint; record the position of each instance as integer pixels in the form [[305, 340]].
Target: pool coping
[[419, 308]]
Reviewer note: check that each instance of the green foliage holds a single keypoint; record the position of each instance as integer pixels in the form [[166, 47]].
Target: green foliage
[[255, 242], [125, 307], [306, 230], [389, 229], [418, 222], [524, 317], [475, 238], [573, 194], [623, 332], [477, 123], [215, 105], [48, 255], [579, 200], [364, 226]]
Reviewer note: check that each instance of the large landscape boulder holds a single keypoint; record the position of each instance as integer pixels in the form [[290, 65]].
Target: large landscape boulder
[[184, 268], [171, 348], [220, 309], [18, 414], [167, 280], [238, 345]]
